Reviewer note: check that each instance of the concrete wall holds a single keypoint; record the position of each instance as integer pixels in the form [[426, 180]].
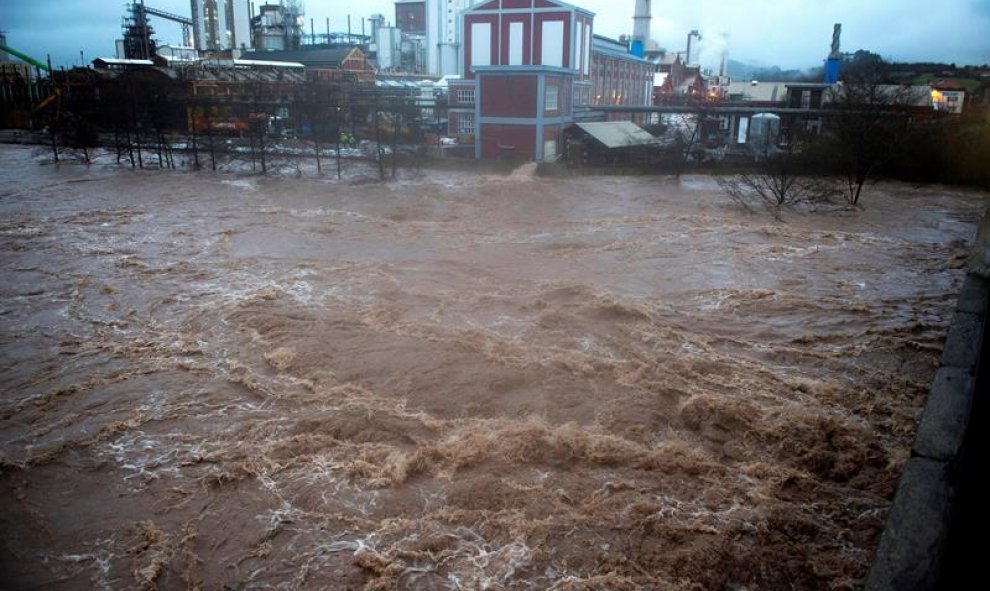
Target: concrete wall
[[927, 518]]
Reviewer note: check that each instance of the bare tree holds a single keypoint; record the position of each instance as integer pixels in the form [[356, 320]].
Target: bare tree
[[192, 114], [338, 110], [870, 121], [688, 134], [379, 151], [781, 177], [315, 113]]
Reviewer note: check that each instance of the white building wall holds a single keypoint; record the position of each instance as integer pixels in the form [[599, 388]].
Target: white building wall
[[389, 48], [231, 29], [224, 26], [516, 32], [242, 24], [199, 25], [444, 35], [481, 44], [552, 53], [586, 50]]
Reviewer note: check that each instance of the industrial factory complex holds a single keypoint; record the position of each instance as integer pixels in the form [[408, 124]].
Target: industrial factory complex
[[472, 296], [511, 79]]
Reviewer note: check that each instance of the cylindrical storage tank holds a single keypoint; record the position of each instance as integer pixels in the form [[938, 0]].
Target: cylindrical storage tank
[[764, 128]]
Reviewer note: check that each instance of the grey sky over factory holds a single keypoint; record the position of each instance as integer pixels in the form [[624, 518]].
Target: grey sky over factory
[[787, 33]]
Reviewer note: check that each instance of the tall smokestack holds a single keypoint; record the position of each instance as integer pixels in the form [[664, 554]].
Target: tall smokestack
[[834, 57], [690, 58], [836, 33], [641, 28]]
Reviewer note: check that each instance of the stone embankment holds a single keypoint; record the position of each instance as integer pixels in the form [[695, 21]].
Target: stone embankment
[[924, 546]]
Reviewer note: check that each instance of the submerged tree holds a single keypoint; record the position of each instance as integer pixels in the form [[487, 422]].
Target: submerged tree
[[871, 119], [782, 176]]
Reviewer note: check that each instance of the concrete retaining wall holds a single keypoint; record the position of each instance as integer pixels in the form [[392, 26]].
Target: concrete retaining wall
[[922, 533]]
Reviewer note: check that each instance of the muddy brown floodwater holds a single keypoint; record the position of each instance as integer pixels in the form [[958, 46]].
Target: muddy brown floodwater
[[455, 382]]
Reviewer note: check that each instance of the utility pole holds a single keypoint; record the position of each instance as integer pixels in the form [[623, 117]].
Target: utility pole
[[378, 137], [339, 109]]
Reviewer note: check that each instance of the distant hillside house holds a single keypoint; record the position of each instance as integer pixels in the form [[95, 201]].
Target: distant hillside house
[[948, 97]]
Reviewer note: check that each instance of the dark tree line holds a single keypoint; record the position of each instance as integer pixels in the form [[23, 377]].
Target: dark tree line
[[873, 130]]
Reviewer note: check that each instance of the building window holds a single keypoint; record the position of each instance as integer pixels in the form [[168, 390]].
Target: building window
[[465, 124], [465, 96], [550, 98], [481, 44]]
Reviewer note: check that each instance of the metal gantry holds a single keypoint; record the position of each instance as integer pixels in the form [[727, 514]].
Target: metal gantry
[[184, 21]]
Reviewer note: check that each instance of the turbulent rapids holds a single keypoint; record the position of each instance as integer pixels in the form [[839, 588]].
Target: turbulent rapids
[[456, 382]]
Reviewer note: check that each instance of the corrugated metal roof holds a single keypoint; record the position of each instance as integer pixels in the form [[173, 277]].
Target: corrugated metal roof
[[312, 58], [764, 92], [207, 73], [268, 64], [112, 61], [618, 134], [398, 84]]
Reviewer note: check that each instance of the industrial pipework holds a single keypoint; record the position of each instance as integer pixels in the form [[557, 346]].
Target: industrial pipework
[[25, 58]]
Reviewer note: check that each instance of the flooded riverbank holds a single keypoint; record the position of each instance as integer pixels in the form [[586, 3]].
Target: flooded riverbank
[[456, 382]]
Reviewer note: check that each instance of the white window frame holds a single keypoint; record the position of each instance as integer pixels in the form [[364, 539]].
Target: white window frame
[[551, 98], [465, 95], [465, 124]]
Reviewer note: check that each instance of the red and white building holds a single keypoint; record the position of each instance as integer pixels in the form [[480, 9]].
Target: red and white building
[[527, 65], [524, 63]]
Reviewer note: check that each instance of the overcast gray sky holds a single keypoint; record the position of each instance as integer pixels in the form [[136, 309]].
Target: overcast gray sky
[[788, 33]]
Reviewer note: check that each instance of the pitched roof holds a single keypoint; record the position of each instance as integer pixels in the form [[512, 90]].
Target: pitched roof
[[950, 85], [224, 73], [112, 61], [764, 92], [614, 48], [312, 58], [496, 5], [618, 134]]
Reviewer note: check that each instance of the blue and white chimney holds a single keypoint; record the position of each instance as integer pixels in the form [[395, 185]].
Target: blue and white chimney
[[834, 58], [641, 28]]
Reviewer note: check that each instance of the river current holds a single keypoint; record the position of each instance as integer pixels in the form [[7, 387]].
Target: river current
[[213, 381]]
